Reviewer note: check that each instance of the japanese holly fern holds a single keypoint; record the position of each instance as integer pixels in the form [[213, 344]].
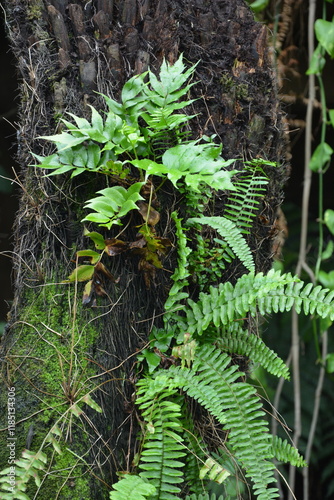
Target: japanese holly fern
[[139, 143]]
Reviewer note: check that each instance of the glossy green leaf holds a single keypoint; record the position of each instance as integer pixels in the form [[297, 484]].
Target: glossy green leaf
[[317, 61], [80, 273], [330, 363], [329, 219], [90, 402], [320, 157], [331, 116], [328, 252], [65, 140], [326, 279], [259, 5], [324, 31], [97, 238], [93, 256]]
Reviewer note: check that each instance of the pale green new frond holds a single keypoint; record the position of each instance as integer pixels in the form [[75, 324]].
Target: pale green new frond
[[232, 235], [132, 487], [214, 471]]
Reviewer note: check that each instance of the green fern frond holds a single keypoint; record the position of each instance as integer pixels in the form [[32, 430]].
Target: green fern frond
[[285, 452], [162, 448], [238, 341], [232, 235], [181, 273], [212, 381], [132, 487], [243, 204], [26, 467], [268, 293], [204, 496]]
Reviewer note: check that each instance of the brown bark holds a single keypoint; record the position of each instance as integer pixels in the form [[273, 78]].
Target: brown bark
[[67, 50]]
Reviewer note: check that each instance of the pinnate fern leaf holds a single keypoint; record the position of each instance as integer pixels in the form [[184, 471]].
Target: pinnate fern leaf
[[238, 341], [232, 235], [243, 203], [213, 381], [285, 452], [162, 449], [268, 293]]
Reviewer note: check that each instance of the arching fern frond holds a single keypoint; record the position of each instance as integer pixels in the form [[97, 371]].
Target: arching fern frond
[[268, 293], [162, 447], [212, 381], [238, 341], [285, 452], [243, 203], [232, 235]]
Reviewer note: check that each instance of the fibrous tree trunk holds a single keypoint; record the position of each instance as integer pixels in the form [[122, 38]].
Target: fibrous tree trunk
[[67, 53]]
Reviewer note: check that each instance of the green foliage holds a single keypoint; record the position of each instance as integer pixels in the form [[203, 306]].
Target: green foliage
[[162, 452], [269, 293], [238, 341], [214, 382], [138, 140], [284, 452], [245, 202], [27, 467], [113, 204], [132, 488], [232, 235]]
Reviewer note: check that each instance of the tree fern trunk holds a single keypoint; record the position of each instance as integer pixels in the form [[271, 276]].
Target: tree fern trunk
[[66, 52]]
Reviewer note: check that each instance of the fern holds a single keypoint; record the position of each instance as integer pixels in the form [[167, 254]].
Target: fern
[[204, 496], [162, 448], [232, 235], [236, 340], [181, 273], [284, 452], [243, 203], [269, 293], [212, 381], [214, 471], [26, 467]]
